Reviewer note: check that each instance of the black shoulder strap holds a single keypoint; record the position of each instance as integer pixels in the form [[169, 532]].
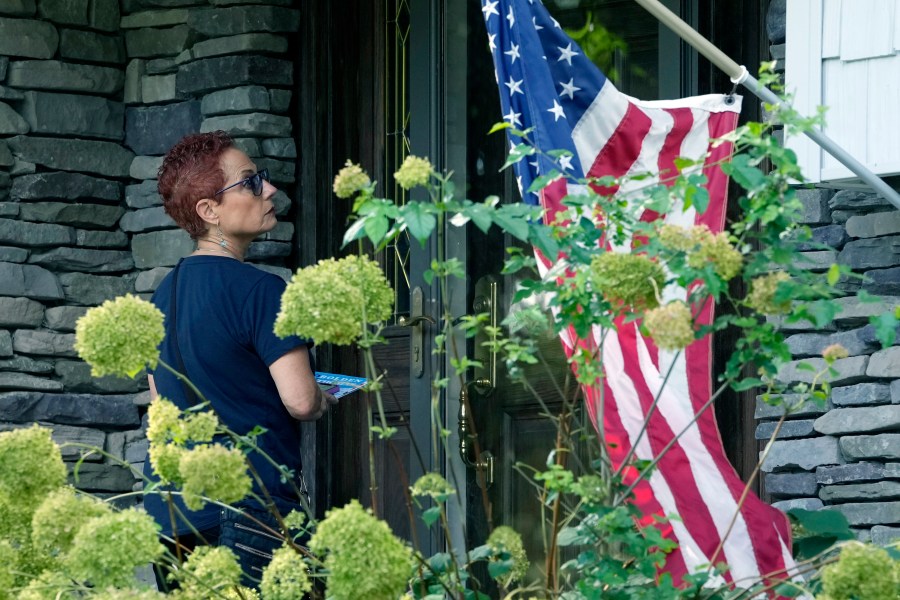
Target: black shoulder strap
[[189, 394]]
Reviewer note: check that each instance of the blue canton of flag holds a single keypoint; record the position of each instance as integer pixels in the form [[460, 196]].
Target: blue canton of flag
[[545, 82]]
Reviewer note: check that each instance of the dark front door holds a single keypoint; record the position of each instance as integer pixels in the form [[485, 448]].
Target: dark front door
[[386, 79]]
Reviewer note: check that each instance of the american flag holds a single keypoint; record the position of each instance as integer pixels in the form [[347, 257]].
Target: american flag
[[548, 84]]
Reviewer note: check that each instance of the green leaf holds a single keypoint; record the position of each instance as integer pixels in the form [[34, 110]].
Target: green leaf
[[481, 215], [569, 536], [542, 181], [376, 226], [354, 232], [439, 562], [885, 328], [518, 152], [746, 175], [480, 553], [542, 238], [834, 273], [788, 590], [500, 568], [514, 225], [431, 515], [419, 220], [499, 127]]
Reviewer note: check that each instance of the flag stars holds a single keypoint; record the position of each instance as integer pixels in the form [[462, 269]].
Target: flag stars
[[489, 8], [565, 162], [513, 117], [511, 17], [569, 89], [491, 42], [513, 53], [557, 111], [534, 22], [515, 87], [566, 54]]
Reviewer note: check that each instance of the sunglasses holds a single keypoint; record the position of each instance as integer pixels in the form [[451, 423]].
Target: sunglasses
[[253, 183]]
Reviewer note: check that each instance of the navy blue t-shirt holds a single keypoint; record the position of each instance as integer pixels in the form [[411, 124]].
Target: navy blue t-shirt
[[225, 314]]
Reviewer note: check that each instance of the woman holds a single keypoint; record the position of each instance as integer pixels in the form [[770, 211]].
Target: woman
[[219, 318]]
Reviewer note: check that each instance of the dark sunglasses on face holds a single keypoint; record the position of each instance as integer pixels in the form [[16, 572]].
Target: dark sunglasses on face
[[253, 183]]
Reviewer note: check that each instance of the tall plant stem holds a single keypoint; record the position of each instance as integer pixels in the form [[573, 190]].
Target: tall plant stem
[[562, 434], [373, 484], [746, 492]]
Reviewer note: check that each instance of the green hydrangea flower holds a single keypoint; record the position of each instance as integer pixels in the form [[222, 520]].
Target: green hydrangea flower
[[364, 557], [676, 237], [285, 577], [350, 180], [106, 549], [216, 472], [201, 426], [630, 280], [414, 171], [670, 326], [166, 460], [60, 516], [591, 488], [762, 294], [31, 466], [164, 421], [208, 571], [717, 250], [296, 520], [432, 485], [506, 540], [120, 337], [863, 572], [326, 302]]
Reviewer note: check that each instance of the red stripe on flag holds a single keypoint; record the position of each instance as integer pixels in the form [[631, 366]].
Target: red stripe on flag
[[674, 465], [764, 522], [622, 149], [683, 122], [619, 447]]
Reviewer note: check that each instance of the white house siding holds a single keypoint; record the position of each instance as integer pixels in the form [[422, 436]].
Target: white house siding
[[846, 56]]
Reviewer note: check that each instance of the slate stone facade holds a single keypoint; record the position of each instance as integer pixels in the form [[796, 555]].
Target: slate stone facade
[[845, 455], [92, 93]]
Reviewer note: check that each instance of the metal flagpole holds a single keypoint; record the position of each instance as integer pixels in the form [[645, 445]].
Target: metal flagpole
[[740, 75]]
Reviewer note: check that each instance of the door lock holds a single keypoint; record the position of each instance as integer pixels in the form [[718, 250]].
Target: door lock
[[468, 443], [416, 321]]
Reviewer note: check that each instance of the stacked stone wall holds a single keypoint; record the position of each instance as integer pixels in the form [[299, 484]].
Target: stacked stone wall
[[845, 454], [92, 94]]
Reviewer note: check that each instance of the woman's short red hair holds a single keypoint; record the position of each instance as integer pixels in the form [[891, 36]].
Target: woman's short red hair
[[190, 171]]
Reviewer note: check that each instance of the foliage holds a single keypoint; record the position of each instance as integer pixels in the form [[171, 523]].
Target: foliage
[[613, 266]]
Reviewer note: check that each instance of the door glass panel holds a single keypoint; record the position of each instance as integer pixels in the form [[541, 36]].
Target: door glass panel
[[395, 257]]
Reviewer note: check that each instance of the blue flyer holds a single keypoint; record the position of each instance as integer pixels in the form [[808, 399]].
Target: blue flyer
[[339, 385]]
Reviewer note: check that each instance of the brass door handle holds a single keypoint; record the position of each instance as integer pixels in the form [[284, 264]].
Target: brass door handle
[[483, 461], [414, 321]]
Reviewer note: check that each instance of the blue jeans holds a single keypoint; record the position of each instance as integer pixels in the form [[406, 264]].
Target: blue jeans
[[250, 542]]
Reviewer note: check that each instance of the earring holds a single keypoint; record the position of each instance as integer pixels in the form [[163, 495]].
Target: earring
[[221, 237]]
